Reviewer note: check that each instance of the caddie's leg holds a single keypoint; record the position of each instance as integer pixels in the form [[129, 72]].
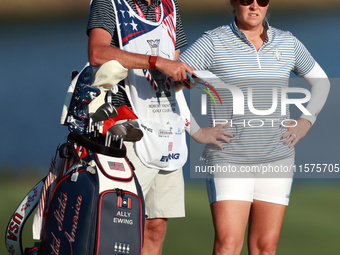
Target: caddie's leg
[[154, 234], [164, 198]]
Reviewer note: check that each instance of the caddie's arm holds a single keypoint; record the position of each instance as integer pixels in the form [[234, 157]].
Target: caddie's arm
[[100, 51]]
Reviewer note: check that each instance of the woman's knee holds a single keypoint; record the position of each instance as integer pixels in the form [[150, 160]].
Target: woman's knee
[[266, 245], [228, 245]]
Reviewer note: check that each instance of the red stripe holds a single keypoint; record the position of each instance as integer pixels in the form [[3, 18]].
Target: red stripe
[[212, 88], [44, 189], [169, 5], [125, 39], [119, 202], [166, 22], [158, 13], [129, 203], [166, 13], [171, 25], [139, 10]]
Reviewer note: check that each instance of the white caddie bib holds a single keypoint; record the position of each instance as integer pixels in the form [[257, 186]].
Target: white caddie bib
[[151, 93]]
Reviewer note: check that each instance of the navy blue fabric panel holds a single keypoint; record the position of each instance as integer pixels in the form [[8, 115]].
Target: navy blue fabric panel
[[120, 224], [70, 223]]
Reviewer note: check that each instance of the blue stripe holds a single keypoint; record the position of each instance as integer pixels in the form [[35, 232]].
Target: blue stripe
[[211, 190]]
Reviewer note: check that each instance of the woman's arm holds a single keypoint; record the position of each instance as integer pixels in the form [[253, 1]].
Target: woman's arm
[[320, 85]]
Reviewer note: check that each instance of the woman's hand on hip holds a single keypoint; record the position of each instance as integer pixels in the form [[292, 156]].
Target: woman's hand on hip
[[295, 133]]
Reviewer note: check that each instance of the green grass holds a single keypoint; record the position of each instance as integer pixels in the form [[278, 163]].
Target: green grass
[[311, 225]]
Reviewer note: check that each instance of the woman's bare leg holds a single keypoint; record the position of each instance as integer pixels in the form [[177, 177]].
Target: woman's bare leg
[[265, 223], [230, 221]]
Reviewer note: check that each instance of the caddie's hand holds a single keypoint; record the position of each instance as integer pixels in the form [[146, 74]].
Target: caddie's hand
[[213, 134], [176, 70], [294, 134], [184, 84]]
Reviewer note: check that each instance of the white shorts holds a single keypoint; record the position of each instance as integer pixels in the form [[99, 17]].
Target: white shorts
[[252, 186], [163, 190]]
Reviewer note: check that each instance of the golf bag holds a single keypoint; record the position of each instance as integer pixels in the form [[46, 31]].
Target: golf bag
[[90, 203], [93, 203]]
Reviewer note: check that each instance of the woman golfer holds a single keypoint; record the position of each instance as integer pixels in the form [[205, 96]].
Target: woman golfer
[[258, 59]]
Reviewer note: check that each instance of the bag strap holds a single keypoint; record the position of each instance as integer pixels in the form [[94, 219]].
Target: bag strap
[[18, 220]]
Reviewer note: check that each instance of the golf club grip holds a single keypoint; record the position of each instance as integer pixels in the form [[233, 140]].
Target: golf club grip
[[95, 147]]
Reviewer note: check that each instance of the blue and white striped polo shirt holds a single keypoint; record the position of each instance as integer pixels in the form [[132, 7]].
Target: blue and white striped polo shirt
[[226, 52]]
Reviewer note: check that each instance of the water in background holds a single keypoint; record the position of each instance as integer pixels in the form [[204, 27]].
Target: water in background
[[37, 59]]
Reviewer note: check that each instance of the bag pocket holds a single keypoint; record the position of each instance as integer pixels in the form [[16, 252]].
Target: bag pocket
[[71, 216], [114, 169], [120, 223]]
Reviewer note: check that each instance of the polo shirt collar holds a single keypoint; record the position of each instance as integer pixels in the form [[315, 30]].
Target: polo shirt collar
[[242, 35]]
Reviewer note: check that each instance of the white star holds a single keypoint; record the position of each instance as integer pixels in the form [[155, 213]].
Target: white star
[[123, 13], [125, 24], [134, 26], [131, 12]]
